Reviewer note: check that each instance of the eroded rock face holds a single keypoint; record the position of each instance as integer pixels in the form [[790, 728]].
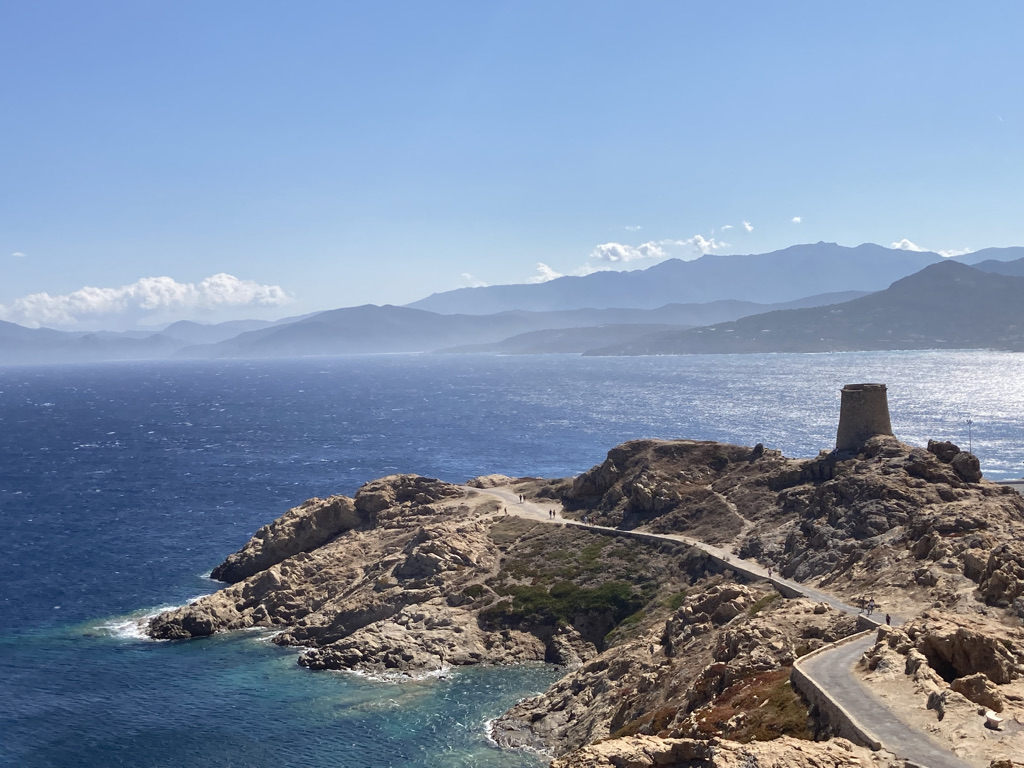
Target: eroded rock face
[[703, 488], [719, 636], [305, 527], [955, 649], [785, 752], [820, 518], [394, 497], [951, 661]]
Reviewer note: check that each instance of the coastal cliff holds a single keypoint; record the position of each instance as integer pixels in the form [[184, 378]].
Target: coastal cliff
[[667, 651]]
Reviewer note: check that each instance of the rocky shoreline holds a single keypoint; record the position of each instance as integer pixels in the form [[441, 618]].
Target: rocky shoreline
[[671, 658]]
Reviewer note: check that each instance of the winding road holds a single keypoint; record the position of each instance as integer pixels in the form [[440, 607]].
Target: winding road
[[830, 668]]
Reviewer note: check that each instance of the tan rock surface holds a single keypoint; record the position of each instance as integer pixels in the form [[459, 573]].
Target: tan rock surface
[[666, 680], [653, 752], [949, 700], [301, 529]]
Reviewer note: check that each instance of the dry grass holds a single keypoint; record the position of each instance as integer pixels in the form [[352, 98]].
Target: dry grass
[[760, 707]]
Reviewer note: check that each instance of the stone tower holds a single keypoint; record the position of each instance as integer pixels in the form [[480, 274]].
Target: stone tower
[[863, 413]]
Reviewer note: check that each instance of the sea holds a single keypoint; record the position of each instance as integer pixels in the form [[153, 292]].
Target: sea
[[122, 485]]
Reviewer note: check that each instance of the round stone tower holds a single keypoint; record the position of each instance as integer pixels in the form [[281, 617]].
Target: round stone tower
[[863, 413]]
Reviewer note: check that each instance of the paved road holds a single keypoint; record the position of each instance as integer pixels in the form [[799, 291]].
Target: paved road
[[831, 670]]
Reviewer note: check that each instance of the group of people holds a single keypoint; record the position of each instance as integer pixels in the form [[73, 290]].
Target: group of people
[[869, 606]]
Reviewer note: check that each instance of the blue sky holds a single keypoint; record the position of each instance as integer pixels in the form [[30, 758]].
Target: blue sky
[[332, 154]]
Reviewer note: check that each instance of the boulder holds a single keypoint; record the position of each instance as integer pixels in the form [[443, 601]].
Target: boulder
[[954, 650], [979, 689], [967, 466], [300, 529]]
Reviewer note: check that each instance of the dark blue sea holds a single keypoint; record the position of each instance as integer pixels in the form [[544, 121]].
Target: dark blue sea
[[122, 485]]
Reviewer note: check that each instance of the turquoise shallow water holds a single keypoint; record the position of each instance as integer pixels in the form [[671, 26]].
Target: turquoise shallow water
[[239, 701], [122, 485]]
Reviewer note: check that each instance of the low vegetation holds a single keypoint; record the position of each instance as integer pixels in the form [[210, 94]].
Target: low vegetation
[[760, 707]]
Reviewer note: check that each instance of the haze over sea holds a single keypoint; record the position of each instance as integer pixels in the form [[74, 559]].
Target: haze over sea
[[121, 485]]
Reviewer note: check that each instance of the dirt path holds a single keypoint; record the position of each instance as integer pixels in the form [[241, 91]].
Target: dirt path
[[832, 670]]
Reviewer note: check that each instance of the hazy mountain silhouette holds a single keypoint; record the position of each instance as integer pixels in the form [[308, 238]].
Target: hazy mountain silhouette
[[768, 278], [370, 328], [20, 345], [946, 305], [631, 297], [1014, 268]]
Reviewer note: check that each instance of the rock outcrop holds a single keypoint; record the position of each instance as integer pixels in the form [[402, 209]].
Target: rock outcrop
[[301, 529], [653, 752], [946, 674], [827, 518], [427, 579], [670, 658], [722, 638]]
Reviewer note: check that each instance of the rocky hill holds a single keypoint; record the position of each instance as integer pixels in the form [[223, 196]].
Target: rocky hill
[[944, 306], [671, 657]]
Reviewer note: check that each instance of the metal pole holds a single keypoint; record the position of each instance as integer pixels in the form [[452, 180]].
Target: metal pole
[[969, 446]]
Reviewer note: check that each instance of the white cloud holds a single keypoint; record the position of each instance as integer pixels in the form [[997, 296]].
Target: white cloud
[[618, 252], [633, 227], [145, 296], [701, 245], [18, 255], [473, 282], [748, 226], [907, 245], [727, 226], [951, 254], [544, 273], [796, 219]]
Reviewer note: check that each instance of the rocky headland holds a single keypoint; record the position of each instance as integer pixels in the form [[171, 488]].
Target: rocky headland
[[671, 656]]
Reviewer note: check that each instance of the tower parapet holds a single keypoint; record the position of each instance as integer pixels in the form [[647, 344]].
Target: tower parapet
[[863, 413]]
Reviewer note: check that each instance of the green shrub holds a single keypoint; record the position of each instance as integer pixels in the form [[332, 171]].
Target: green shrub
[[763, 603], [536, 605], [474, 591], [675, 602]]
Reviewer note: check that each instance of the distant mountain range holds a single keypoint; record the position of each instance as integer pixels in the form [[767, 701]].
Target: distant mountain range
[[768, 278], [944, 306], [898, 317], [372, 329]]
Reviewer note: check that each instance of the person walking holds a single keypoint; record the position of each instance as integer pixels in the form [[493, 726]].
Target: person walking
[[888, 620]]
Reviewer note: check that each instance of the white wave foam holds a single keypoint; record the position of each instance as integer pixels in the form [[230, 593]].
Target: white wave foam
[[489, 734], [133, 626], [442, 673], [130, 627]]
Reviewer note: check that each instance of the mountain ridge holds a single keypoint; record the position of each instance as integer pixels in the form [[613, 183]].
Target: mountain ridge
[[768, 278], [946, 305]]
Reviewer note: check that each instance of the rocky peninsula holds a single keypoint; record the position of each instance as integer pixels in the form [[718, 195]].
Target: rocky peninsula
[[671, 656]]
